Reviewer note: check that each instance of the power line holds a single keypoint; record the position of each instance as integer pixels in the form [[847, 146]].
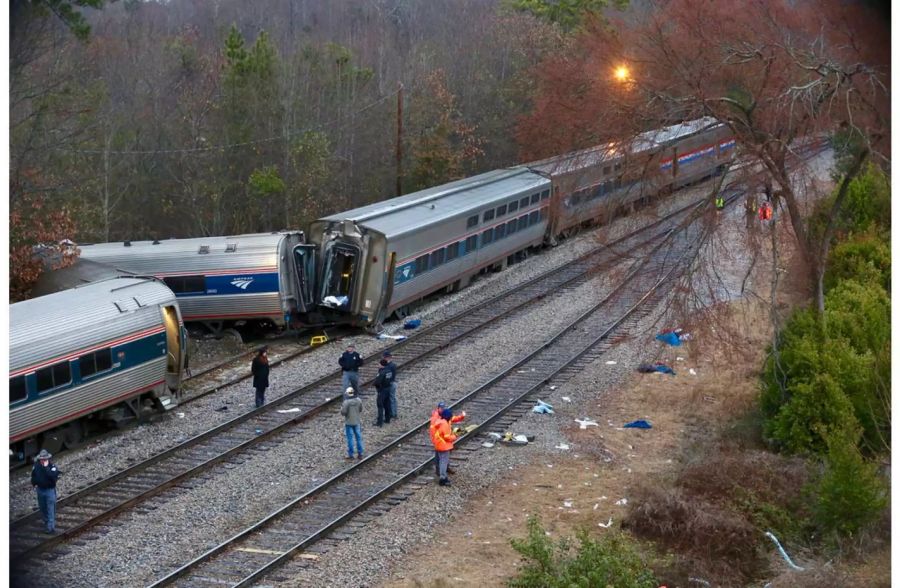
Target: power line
[[231, 145]]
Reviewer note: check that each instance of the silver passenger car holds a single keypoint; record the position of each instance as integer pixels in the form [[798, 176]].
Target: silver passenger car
[[380, 258], [98, 352], [220, 281]]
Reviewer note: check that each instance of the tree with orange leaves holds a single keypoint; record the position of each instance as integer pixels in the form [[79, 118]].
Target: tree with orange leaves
[[777, 73]]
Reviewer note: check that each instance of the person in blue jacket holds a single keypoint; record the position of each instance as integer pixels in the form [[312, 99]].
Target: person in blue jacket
[[43, 478], [350, 363], [393, 393]]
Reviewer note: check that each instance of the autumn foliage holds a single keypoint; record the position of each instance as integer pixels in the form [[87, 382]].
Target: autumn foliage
[[33, 221]]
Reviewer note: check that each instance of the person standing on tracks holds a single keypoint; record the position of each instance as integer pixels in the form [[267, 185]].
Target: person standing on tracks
[[443, 439], [260, 370], [435, 418], [383, 387], [393, 392], [351, 409], [44, 476], [350, 363]]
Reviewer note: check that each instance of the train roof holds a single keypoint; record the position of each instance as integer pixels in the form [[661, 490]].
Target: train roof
[[50, 326], [410, 212], [196, 254], [647, 141], [83, 271]]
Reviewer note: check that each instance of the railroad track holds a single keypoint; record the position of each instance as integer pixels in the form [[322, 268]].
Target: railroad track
[[376, 484], [86, 508]]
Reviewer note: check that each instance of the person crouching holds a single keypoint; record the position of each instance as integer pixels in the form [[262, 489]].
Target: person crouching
[[443, 444]]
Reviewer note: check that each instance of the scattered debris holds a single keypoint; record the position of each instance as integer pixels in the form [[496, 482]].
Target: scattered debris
[[412, 324], [222, 409], [567, 503], [596, 505], [699, 581], [289, 410], [180, 415], [562, 446], [679, 359], [487, 444], [335, 301], [611, 362], [566, 399], [622, 502], [393, 337], [585, 423], [692, 371], [554, 388], [648, 368], [542, 408], [638, 424], [607, 525], [669, 338], [496, 436]]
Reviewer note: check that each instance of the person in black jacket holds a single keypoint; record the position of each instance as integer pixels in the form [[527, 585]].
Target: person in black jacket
[[260, 370], [350, 363], [43, 478], [383, 385]]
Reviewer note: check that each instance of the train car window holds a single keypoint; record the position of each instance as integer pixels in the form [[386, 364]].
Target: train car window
[[500, 232], [471, 221], [53, 376], [186, 284], [501, 210], [437, 257], [453, 251], [535, 198], [545, 194], [513, 206], [489, 215], [544, 213], [96, 362], [511, 226], [534, 217], [523, 202], [17, 389], [523, 222], [487, 237], [471, 244], [421, 264]]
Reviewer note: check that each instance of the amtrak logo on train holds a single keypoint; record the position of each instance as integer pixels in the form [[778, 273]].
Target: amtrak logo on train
[[241, 283]]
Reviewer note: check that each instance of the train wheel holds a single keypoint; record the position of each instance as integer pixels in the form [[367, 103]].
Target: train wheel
[[52, 441], [73, 435]]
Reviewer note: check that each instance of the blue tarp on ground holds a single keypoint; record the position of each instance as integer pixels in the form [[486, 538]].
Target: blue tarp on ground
[[648, 368], [670, 337], [412, 324], [641, 424]]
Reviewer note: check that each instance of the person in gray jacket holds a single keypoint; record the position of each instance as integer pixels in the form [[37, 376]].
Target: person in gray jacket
[[351, 409]]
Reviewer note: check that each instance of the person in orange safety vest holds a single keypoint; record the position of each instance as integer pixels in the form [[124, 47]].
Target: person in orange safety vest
[[435, 417], [443, 439]]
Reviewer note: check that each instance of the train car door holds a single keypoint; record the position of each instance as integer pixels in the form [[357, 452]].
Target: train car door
[[175, 348], [340, 266], [305, 266]]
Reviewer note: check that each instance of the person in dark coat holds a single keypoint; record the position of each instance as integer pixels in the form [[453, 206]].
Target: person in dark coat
[[350, 363], [383, 385], [260, 370], [392, 367], [43, 478]]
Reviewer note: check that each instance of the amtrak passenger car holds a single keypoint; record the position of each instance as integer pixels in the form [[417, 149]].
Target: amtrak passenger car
[[380, 258], [102, 352], [219, 281]]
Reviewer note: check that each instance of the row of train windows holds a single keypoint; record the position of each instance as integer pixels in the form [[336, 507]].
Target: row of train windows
[[462, 248], [186, 284], [508, 208], [60, 374], [595, 192]]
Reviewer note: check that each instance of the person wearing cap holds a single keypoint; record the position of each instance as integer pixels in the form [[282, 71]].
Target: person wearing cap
[[43, 478], [393, 389], [443, 439], [435, 417], [382, 384], [351, 409], [350, 362], [260, 370]]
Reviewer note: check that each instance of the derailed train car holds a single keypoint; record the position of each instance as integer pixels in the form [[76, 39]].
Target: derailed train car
[[103, 353], [221, 281], [383, 258]]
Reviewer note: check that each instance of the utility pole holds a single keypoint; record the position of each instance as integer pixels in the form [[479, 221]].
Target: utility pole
[[399, 136]]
